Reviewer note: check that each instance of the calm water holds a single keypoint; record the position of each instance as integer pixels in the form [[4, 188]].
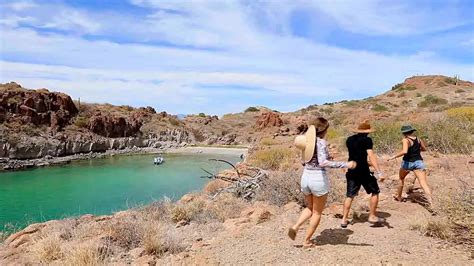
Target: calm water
[[99, 186]]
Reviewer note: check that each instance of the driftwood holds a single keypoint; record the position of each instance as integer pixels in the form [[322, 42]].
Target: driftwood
[[244, 186]]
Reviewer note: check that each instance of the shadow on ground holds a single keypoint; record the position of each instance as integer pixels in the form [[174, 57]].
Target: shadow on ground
[[364, 218], [336, 237]]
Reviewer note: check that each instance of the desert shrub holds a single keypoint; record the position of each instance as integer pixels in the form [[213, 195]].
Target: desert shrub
[[81, 122], [198, 135], [327, 111], [352, 103], [418, 94], [379, 108], [432, 100], [401, 87], [281, 187], [223, 207], [267, 142], [85, 254], [160, 238], [272, 158], [337, 193], [126, 233], [387, 137], [452, 80], [449, 135], [459, 91], [401, 94], [186, 212], [202, 115], [466, 112], [397, 86], [251, 109], [455, 213], [47, 248], [391, 95]]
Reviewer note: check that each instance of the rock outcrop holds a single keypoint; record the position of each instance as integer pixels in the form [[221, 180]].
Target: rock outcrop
[[38, 107], [269, 119]]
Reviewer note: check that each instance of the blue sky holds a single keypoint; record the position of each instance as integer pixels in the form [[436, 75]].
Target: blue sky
[[223, 56]]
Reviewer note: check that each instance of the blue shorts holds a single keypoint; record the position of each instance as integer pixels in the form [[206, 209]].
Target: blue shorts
[[410, 166]]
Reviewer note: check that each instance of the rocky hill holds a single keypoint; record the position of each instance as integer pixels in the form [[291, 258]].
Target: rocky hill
[[39, 123], [215, 227]]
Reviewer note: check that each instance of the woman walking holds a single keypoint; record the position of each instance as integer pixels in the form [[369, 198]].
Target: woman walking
[[412, 146], [314, 181]]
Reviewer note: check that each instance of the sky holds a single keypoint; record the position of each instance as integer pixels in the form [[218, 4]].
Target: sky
[[220, 57]]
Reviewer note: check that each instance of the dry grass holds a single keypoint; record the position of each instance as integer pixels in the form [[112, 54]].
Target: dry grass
[[455, 217], [47, 248], [225, 206], [83, 254], [160, 238], [281, 187], [188, 211], [275, 158]]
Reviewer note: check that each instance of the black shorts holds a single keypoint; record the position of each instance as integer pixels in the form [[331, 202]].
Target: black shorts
[[357, 179]]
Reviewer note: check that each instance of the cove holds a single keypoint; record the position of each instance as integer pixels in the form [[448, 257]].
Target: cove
[[100, 186]]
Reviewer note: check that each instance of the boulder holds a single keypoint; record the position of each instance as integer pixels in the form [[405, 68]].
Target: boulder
[[268, 119]]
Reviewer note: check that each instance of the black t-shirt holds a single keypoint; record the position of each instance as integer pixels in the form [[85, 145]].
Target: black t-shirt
[[357, 145]]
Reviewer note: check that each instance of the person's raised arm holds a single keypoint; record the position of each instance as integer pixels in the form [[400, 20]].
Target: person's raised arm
[[405, 145], [373, 161]]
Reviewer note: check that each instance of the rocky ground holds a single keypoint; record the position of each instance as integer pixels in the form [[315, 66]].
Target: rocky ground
[[200, 229], [42, 127]]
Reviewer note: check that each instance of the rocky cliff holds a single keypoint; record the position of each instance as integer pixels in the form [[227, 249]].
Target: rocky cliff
[[39, 123]]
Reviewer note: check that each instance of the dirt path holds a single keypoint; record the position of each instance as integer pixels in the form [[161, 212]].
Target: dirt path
[[267, 243]]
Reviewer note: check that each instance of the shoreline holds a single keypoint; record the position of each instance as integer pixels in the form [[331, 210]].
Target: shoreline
[[7, 164]]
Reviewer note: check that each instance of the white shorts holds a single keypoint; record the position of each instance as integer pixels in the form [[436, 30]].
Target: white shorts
[[314, 182]]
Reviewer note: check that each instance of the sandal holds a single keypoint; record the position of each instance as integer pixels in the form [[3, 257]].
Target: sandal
[[344, 225], [292, 233], [379, 221]]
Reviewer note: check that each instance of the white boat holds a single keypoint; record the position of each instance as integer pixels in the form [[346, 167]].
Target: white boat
[[158, 160]]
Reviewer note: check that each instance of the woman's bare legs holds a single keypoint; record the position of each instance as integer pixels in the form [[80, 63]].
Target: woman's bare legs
[[318, 207], [305, 215], [401, 174], [421, 175]]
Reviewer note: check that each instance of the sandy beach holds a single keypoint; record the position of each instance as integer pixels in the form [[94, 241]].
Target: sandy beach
[[209, 150]]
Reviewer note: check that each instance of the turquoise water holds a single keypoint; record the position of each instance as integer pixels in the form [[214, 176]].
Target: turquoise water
[[99, 186]]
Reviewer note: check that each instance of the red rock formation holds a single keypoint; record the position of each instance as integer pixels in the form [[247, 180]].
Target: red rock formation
[[268, 119], [112, 126], [39, 107]]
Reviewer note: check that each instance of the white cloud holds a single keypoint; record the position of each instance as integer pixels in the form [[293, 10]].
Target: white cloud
[[292, 71]]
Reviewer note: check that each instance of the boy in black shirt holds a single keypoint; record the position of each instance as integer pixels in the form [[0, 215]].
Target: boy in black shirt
[[360, 149]]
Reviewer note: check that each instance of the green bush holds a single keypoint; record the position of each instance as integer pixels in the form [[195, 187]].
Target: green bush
[[397, 86], [379, 108], [446, 135], [251, 109], [432, 100], [81, 122], [387, 137], [202, 115], [453, 81]]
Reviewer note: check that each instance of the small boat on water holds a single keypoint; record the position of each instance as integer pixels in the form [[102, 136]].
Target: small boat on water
[[158, 160]]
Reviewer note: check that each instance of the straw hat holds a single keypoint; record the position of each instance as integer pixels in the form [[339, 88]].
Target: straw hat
[[306, 143], [364, 127]]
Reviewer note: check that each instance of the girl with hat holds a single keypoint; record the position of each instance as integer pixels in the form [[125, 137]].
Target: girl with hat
[[412, 146], [314, 181]]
